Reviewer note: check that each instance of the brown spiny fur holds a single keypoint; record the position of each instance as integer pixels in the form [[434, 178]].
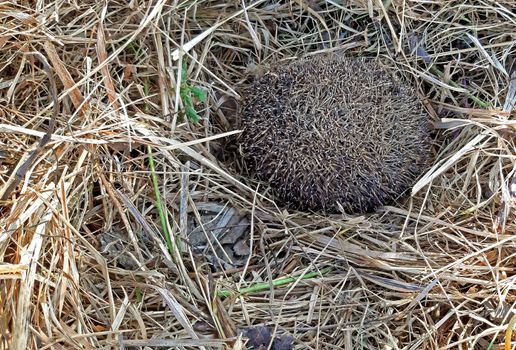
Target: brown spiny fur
[[329, 129]]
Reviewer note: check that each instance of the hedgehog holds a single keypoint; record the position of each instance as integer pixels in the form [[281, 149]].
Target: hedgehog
[[330, 132]]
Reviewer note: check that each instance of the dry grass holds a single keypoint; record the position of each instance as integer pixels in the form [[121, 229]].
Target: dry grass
[[84, 261]]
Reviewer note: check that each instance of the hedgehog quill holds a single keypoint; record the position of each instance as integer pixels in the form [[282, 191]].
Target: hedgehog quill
[[331, 130]]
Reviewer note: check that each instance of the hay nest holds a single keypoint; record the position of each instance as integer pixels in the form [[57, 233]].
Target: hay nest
[[328, 129], [113, 210]]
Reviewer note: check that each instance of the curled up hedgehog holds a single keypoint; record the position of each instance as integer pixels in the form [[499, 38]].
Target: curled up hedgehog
[[329, 130]]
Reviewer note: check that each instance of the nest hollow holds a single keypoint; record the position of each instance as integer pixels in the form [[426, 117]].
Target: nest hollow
[[329, 129]]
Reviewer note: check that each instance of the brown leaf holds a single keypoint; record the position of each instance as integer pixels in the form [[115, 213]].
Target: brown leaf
[[64, 75], [108, 82]]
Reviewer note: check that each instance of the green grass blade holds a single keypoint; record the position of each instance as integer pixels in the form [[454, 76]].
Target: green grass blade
[[159, 204], [279, 282]]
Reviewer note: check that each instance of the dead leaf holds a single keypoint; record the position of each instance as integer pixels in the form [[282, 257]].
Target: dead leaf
[[258, 336], [284, 343], [222, 236]]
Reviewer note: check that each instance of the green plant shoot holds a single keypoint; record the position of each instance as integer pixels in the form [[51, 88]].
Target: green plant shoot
[[186, 92]]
